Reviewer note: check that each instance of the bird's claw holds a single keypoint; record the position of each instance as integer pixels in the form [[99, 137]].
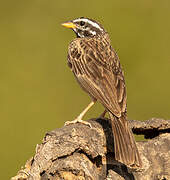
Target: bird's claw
[[78, 120]]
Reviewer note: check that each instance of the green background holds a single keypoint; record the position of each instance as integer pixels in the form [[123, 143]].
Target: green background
[[38, 91]]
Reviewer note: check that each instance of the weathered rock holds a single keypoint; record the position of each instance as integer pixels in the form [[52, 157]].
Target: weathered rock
[[78, 152]]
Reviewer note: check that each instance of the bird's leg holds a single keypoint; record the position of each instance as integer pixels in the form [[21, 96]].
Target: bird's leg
[[103, 114], [79, 118]]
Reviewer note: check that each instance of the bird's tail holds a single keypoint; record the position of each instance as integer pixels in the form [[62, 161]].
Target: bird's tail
[[125, 147]]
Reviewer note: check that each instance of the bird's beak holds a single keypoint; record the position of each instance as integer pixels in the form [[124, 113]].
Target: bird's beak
[[69, 25]]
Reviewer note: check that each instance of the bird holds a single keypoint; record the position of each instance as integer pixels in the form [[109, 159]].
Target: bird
[[96, 67]]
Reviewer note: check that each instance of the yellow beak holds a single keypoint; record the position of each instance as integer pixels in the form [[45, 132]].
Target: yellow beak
[[69, 25]]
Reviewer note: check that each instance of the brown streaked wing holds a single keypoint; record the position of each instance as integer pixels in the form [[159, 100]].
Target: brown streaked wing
[[97, 69]]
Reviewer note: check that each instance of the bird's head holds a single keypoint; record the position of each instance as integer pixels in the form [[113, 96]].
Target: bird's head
[[85, 27]]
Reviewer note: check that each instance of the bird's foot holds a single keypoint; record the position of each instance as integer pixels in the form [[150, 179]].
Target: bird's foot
[[77, 120]]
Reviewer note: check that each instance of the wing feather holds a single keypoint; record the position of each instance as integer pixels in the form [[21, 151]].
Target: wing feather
[[98, 71]]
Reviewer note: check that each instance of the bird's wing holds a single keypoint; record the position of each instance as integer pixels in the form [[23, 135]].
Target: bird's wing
[[97, 69]]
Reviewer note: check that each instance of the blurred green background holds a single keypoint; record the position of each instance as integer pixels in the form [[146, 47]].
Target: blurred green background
[[37, 90]]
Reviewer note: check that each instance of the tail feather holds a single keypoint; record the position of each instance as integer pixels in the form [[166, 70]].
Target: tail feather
[[120, 146], [124, 143]]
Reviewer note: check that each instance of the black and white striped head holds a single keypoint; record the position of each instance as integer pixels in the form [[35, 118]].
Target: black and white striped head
[[85, 27]]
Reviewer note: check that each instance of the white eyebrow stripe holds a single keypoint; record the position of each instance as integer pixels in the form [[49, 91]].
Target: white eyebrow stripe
[[90, 22]]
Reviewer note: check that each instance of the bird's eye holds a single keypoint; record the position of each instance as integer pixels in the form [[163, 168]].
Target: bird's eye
[[82, 23]]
